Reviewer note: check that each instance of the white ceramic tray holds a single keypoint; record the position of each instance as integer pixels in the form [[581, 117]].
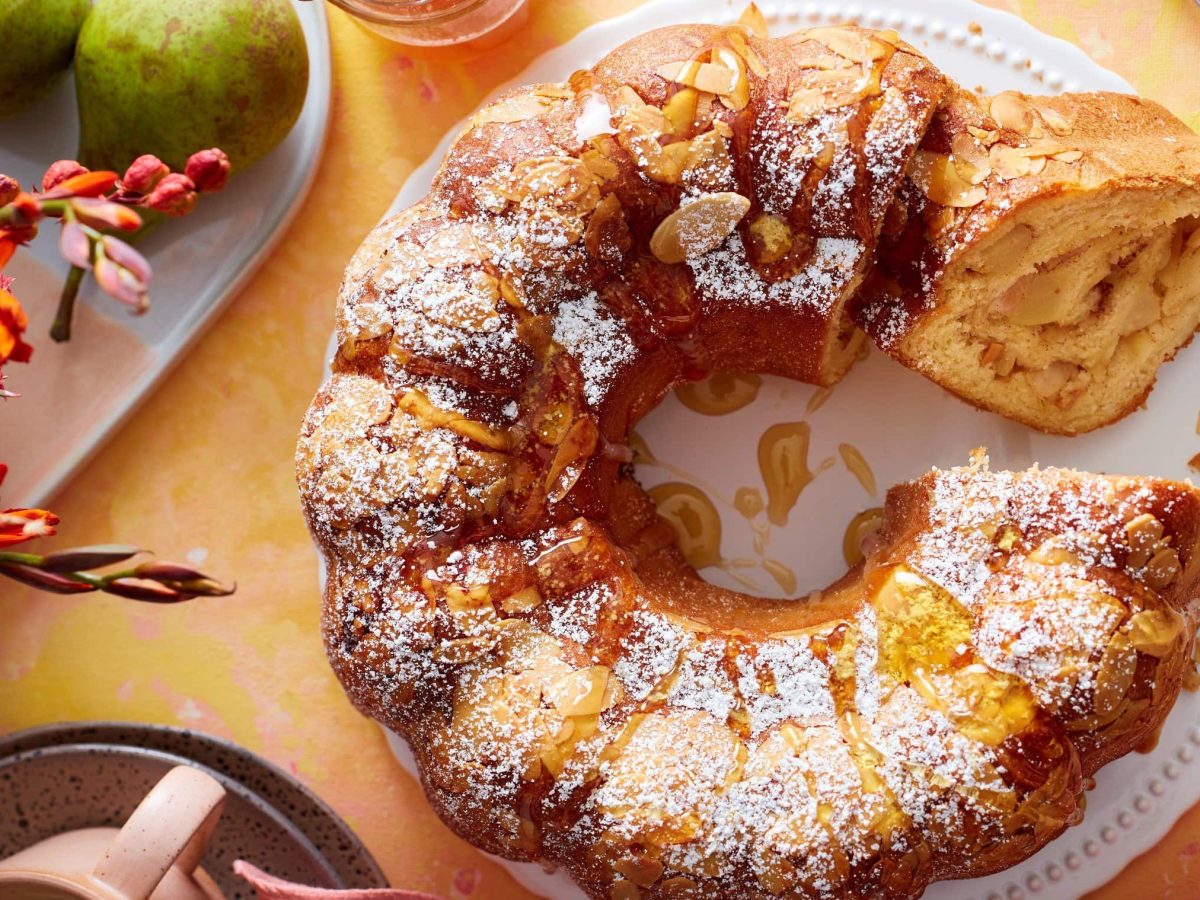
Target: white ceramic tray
[[74, 395], [903, 424]]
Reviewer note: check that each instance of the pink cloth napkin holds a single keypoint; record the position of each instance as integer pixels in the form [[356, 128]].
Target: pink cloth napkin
[[271, 888]]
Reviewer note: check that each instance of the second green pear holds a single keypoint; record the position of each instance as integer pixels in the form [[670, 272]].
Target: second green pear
[[39, 38], [170, 77]]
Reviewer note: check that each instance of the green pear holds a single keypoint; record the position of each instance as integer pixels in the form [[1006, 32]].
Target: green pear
[[39, 41], [170, 77]]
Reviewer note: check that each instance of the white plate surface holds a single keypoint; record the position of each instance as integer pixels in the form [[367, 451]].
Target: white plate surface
[[903, 424], [75, 395]]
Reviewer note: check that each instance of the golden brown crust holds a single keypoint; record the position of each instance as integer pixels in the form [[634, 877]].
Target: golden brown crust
[[501, 593]]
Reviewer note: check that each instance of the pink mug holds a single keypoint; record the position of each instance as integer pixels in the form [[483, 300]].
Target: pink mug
[[155, 855]]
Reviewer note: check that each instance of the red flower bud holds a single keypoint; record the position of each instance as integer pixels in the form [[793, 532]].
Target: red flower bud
[[60, 172], [175, 195], [44, 581], [81, 558], [8, 190], [144, 173], [143, 589], [208, 169]]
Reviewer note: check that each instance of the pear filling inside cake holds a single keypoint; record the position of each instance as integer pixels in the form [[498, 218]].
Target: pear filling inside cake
[[1079, 331]]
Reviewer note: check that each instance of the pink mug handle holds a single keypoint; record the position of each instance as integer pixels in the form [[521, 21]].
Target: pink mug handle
[[170, 827]]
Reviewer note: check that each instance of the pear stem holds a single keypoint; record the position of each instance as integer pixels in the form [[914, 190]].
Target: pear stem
[[60, 331]]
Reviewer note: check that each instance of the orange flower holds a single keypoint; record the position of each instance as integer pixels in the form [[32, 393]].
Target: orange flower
[[13, 323], [17, 525]]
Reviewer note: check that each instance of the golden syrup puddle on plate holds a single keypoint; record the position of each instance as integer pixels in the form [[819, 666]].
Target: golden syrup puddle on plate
[[694, 507]]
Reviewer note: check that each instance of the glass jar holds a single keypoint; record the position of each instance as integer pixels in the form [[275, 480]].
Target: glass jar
[[433, 24]]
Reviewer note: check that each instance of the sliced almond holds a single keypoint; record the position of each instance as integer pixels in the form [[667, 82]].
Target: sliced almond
[[678, 886], [806, 104], [676, 154], [984, 136], [642, 872], [601, 167], [581, 693], [708, 165], [710, 77], [607, 235], [1154, 631], [453, 245], [643, 120], [561, 91], [564, 182], [1007, 162], [518, 108], [747, 53], [1051, 552], [826, 61], [1162, 569], [699, 227], [845, 80], [1039, 149], [1012, 111], [641, 128], [1068, 156], [462, 650], [940, 181], [1114, 675], [1055, 121], [850, 44], [753, 19], [628, 98], [737, 97], [1144, 534], [970, 158], [521, 601]]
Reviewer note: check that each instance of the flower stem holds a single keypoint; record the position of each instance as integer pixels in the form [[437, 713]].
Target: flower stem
[[61, 329], [24, 559]]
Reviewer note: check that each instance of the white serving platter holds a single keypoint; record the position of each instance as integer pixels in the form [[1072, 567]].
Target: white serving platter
[[75, 395], [903, 424]]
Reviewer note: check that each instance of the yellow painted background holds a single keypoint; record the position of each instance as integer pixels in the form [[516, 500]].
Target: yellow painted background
[[203, 471]]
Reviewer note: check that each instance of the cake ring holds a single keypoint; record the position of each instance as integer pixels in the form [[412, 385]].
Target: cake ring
[[502, 593]]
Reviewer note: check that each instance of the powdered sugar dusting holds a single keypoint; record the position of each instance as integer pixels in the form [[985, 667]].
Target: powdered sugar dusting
[[651, 652], [597, 340], [784, 681], [725, 276]]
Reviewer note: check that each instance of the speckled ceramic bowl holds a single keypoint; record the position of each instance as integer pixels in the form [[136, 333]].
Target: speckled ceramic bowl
[[76, 775]]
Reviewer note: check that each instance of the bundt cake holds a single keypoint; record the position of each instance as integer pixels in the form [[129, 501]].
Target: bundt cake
[[502, 593], [1042, 258]]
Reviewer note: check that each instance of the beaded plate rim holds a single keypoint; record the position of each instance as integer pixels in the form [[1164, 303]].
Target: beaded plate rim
[[1092, 853]]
